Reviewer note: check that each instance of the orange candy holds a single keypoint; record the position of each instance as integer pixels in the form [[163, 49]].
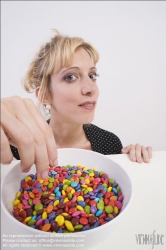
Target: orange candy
[[49, 209], [113, 198], [20, 205], [46, 227], [31, 195]]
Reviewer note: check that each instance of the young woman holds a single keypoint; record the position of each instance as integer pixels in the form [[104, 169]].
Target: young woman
[[63, 75]]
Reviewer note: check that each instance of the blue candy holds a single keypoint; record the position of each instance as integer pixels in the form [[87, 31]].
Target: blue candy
[[86, 228], [74, 184], [56, 190], [99, 212], [96, 224]]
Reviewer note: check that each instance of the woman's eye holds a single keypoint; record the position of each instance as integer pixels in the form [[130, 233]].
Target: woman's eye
[[93, 76], [70, 78]]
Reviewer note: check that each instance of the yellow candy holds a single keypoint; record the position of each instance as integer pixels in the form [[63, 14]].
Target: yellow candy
[[56, 203], [63, 192], [87, 181], [84, 186], [34, 212], [60, 220], [90, 189], [79, 166], [41, 181], [116, 210], [80, 198], [91, 174], [69, 226], [28, 178], [18, 194], [80, 208], [65, 200], [78, 172], [44, 215], [65, 214], [16, 202], [85, 168], [64, 181], [72, 191], [27, 219], [109, 189]]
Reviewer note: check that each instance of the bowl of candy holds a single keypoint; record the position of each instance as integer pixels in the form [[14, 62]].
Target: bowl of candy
[[81, 202]]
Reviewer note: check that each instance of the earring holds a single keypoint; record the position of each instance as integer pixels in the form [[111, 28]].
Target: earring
[[47, 110], [48, 107]]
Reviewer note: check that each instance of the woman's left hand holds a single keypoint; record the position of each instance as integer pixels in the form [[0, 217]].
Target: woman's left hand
[[138, 153]]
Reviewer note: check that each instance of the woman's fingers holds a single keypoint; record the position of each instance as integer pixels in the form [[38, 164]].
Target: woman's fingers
[[138, 152], [6, 154], [132, 153], [22, 138], [30, 133], [149, 149], [46, 131]]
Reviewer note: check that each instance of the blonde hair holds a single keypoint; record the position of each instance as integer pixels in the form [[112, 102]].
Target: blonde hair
[[52, 57]]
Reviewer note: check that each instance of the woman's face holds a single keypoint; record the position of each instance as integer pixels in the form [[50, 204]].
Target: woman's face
[[74, 91]]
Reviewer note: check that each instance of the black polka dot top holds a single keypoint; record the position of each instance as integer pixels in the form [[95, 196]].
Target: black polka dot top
[[102, 141]]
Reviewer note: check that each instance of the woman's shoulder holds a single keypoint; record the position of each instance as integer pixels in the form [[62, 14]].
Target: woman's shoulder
[[102, 141]]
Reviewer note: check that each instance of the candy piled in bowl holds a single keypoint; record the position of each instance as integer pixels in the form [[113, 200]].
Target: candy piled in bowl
[[71, 199]]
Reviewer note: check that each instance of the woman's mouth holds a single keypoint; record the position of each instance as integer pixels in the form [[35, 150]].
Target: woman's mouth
[[88, 105]]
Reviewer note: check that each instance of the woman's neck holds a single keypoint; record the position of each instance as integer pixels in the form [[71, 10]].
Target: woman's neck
[[69, 135]]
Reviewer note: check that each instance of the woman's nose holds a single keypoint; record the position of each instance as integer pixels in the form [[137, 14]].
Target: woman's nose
[[88, 87]]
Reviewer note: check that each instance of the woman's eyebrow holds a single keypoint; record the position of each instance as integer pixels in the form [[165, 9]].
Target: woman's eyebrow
[[73, 68]]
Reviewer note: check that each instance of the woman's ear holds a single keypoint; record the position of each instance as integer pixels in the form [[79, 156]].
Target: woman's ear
[[46, 100]]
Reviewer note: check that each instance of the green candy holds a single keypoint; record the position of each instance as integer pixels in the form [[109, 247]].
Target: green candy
[[31, 222], [51, 179], [111, 180], [50, 185], [87, 209], [72, 171], [70, 196], [38, 207], [68, 166], [30, 202], [67, 182], [65, 187], [44, 193], [65, 231], [101, 173], [82, 178], [118, 188], [100, 206], [86, 191], [108, 209], [101, 201], [78, 227]]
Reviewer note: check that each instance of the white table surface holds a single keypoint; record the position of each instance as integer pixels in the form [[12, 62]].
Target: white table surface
[[146, 214]]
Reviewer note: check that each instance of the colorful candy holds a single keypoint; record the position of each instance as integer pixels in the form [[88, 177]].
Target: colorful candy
[[71, 199]]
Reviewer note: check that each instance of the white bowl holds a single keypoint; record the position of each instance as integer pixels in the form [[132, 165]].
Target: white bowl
[[90, 159]]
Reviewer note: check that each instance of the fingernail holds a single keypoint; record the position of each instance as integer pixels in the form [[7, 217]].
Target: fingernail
[[133, 159], [147, 159], [44, 174], [27, 170]]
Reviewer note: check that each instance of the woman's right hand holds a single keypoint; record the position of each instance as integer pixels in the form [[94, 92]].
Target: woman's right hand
[[24, 127]]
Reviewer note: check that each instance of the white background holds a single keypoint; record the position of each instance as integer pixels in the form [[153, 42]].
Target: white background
[[131, 39]]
